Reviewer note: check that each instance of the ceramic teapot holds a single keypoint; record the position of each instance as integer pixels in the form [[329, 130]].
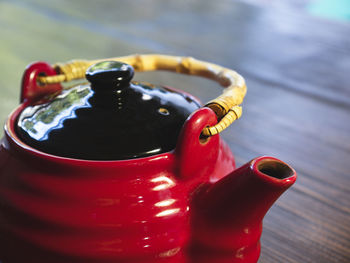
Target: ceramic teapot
[[109, 170]]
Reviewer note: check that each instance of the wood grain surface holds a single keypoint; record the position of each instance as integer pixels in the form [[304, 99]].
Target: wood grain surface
[[297, 107]]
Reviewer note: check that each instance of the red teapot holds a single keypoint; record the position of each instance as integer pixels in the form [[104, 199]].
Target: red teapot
[[104, 169]]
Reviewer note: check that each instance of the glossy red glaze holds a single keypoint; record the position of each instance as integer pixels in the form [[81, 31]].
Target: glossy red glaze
[[172, 207], [57, 209], [227, 216], [30, 90]]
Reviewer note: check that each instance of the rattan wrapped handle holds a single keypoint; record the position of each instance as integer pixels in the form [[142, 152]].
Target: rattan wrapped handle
[[225, 106]]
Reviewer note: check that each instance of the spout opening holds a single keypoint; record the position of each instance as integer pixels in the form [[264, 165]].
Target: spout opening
[[275, 169]]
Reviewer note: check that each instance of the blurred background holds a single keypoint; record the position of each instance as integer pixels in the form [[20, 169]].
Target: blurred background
[[295, 56]]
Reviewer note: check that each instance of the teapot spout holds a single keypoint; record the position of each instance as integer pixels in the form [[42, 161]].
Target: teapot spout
[[227, 215]]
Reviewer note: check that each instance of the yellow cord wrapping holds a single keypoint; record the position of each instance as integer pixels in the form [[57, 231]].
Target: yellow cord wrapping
[[225, 106], [233, 114]]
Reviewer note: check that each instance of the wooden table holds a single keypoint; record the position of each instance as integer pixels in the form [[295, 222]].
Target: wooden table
[[297, 108]]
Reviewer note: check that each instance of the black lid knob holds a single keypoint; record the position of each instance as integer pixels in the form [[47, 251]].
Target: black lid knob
[[110, 74]]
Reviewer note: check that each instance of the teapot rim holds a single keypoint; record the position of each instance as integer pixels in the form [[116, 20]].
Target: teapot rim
[[14, 140]]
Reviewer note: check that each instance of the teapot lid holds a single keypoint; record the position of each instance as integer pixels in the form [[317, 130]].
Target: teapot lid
[[110, 119]]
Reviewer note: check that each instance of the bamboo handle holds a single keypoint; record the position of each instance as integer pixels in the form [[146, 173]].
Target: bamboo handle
[[225, 106]]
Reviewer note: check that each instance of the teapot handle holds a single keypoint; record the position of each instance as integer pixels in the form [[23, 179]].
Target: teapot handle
[[225, 106], [31, 91]]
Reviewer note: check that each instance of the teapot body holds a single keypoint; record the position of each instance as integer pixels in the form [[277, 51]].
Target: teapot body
[[55, 209], [184, 205]]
